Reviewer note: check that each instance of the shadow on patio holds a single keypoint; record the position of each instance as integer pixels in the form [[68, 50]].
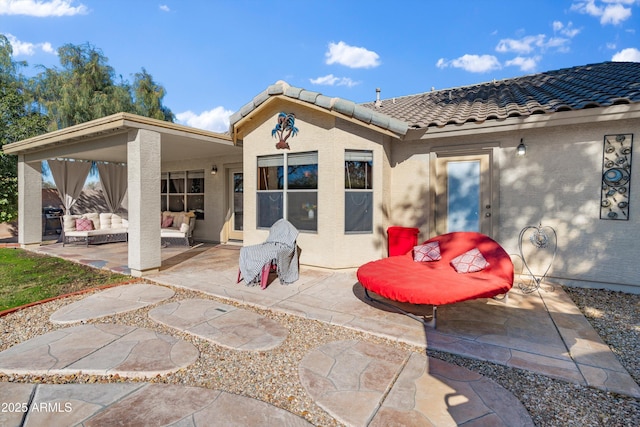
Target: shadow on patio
[[542, 332]]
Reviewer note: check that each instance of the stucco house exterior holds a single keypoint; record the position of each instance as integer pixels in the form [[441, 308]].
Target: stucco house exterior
[[168, 166], [448, 160], [343, 172]]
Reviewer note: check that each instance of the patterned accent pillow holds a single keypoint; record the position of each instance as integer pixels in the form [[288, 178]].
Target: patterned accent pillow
[[427, 252], [470, 262], [84, 224], [167, 222]]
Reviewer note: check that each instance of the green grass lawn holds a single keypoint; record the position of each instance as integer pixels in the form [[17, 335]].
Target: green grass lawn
[[27, 277]]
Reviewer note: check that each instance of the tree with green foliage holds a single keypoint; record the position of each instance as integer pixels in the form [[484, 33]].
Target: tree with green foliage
[[19, 119], [148, 98], [86, 87]]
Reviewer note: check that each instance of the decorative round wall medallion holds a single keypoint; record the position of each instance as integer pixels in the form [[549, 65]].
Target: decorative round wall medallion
[[616, 177]]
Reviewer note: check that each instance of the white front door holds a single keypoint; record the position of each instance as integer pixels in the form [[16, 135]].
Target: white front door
[[464, 193]]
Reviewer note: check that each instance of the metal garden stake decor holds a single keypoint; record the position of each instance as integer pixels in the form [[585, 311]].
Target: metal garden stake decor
[[542, 249]]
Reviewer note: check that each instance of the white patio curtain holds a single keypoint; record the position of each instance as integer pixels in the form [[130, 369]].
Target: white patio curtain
[[113, 178], [69, 177]]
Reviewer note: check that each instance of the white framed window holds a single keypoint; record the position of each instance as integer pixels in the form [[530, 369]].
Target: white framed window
[[183, 191], [358, 191], [292, 195]]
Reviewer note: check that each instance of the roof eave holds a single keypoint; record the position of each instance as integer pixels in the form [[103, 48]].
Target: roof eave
[[115, 123], [565, 118], [337, 107]]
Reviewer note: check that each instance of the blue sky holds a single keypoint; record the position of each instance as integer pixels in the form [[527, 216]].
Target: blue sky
[[213, 57]]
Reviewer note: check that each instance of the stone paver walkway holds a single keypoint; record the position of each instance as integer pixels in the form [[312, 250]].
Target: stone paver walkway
[[364, 384], [222, 324], [112, 301], [100, 349], [98, 405], [358, 383]]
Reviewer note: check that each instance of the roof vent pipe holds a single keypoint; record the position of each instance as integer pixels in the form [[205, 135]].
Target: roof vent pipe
[[378, 102]]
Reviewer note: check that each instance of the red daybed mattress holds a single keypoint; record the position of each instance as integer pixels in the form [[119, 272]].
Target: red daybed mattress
[[400, 278]]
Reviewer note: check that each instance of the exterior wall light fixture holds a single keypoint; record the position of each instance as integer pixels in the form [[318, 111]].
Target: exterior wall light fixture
[[521, 150], [214, 170]]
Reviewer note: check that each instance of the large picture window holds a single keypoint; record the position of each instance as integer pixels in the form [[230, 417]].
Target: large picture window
[[183, 191], [358, 191], [293, 195]]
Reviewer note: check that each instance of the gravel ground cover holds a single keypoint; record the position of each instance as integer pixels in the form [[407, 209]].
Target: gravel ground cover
[[272, 376]]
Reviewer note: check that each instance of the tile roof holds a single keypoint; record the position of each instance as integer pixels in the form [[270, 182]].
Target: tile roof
[[338, 105], [575, 88]]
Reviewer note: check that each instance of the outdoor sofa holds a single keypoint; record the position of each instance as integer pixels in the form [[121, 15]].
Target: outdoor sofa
[[443, 270], [94, 228], [177, 228]]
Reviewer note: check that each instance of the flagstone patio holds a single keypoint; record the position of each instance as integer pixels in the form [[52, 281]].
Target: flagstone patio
[[543, 332]]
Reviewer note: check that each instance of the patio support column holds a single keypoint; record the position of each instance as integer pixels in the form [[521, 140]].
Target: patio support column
[[29, 202], [143, 162]]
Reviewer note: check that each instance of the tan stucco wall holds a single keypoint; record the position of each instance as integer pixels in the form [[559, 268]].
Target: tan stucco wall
[[557, 184], [330, 137], [216, 209]]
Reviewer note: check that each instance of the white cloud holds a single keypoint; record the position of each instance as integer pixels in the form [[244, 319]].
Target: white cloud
[[615, 14], [165, 8], [528, 44], [630, 54], [21, 48], [46, 47], [525, 64], [351, 56], [215, 120], [331, 80], [565, 30], [612, 12], [472, 63], [40, 8], [524, 45]]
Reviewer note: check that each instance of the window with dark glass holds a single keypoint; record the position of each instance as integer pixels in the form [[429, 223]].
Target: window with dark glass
[[358, 193], [297, 190], [302, 190], [183, 191], [270, 190]]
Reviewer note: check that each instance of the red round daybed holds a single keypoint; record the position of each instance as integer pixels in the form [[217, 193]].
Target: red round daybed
[[400, 278]]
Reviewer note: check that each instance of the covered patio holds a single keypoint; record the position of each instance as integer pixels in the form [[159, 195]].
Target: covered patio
[[148, 148], [542, 332]]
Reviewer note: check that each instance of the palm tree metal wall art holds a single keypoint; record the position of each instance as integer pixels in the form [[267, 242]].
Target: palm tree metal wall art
[[284, 129]]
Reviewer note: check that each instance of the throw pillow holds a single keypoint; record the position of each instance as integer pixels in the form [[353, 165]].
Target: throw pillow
[[427, 252], [184, 227], [84, 224], [470, 262], [167, 222]]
